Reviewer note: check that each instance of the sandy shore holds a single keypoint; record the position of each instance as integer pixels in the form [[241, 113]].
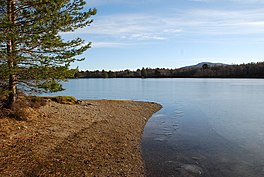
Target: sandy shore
[[94, 138]]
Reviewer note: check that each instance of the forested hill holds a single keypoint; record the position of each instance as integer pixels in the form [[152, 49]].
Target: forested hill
[[250, 70]]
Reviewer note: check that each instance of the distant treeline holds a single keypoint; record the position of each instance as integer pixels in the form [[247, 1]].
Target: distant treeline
[[250, 70]]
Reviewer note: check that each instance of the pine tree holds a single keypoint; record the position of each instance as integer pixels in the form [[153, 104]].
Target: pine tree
[[144, 73], [33, 55]]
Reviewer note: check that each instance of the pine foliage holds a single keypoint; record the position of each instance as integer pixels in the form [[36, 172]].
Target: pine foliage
[[33, 55]]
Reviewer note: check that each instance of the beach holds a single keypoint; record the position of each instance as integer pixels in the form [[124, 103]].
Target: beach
[[92, 138]]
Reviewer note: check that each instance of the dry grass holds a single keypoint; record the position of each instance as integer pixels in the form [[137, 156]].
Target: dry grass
[[93, 138], [25, 105]]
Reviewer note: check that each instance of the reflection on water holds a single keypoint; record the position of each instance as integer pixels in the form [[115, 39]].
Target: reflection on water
[[195, 148], [207, 127]]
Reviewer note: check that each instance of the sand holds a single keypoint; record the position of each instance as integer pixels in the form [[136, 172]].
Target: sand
[[93, 138]]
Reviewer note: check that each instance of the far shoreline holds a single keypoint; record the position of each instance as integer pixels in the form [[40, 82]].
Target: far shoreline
[[170, 78]]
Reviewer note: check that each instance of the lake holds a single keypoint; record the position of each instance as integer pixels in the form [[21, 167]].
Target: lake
[[207, 127]]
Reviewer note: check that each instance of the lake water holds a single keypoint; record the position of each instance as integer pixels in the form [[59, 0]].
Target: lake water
[[207, 127]]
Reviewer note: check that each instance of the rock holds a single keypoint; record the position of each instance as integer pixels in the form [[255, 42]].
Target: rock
[[194, 169]]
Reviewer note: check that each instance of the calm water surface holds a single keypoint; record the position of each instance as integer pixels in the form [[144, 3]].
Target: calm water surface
[[207, 127]]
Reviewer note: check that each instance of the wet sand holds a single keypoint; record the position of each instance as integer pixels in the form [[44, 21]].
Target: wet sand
[[93, 138]]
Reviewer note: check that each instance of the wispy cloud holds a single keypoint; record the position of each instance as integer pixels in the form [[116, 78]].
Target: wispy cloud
[[140, 27], [150, 27], [103, 2], [106, 2], [137, 2], [224, 22], [109, 45], [236, 1], [119, 30]]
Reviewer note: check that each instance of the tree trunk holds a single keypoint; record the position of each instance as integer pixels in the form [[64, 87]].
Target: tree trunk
[[11, 56], [12, 91]]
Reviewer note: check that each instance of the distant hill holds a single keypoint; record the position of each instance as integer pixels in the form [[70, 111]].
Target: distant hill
[[214, 70], [200, 65]]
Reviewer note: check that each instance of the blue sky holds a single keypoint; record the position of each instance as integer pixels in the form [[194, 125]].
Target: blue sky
[[131, 34]]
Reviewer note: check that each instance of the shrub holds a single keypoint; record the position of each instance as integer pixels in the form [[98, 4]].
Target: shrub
[[63, 99], [19, 111], [36, 102], [22, 108]]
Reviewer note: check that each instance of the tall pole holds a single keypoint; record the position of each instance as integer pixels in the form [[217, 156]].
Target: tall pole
[[10, 53]]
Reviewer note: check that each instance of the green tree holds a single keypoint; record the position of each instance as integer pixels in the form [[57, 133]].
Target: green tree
[[205, 66], [144, 73], [33, 55], [104, 74], [157, 73], [112, 74]]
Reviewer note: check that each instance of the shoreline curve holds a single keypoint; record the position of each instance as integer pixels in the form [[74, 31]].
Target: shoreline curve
[[93, 138]]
